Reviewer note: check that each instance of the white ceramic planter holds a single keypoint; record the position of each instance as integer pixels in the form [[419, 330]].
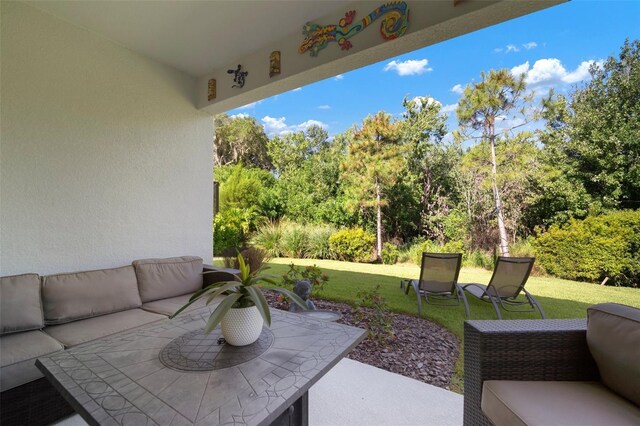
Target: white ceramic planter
[[241, 327]]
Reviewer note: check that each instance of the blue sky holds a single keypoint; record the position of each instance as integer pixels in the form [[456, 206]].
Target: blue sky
[[554, 47]]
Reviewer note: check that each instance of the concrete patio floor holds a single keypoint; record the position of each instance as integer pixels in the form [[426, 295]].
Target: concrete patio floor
[[353, 393]]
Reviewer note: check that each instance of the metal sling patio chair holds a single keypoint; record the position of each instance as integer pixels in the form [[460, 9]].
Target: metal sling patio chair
[[438, 282], [507, 282]]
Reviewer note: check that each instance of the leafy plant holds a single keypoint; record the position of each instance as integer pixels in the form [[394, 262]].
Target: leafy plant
[[313, 274], [390, 253], [379, 323], [353, 245], [268, 238], [254, 257], [294, 240], [229, 229], [318, 246], [241, 293]]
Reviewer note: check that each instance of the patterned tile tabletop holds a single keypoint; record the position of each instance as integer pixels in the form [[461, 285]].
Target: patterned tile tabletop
[[170, 373]]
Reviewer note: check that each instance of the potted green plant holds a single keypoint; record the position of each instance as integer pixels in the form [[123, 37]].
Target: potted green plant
[[244, 309]]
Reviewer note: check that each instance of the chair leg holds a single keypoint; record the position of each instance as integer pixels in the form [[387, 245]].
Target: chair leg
[[417, 290], [495, 306], [535, 303], [464, 300]]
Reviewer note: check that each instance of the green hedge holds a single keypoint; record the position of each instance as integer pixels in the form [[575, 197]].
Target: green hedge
[[594, 248], [352, 245]]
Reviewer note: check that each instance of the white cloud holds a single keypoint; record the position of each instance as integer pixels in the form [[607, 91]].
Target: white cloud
[[297, 89], [520, 69], [511, 48], [550, 72], [409, 67], [324, 107], [458, 89], [448, 109], [250, 106], [278, 126], [241, 115], [338, 77]]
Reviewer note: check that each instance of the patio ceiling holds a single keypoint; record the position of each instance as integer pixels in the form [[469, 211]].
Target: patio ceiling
[[204, 39]]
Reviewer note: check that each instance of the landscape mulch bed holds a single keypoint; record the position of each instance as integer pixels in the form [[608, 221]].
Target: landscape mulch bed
[[421, 349]]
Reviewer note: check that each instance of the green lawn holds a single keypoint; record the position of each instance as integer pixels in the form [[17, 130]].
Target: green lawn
[[559, 298]]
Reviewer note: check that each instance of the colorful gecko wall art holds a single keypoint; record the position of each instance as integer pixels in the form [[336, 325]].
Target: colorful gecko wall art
[[394, 25]]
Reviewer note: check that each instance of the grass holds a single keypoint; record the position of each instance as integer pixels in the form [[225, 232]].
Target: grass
[[559, 298]]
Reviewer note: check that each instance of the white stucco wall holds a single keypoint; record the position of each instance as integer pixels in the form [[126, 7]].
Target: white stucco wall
[[104, 157]]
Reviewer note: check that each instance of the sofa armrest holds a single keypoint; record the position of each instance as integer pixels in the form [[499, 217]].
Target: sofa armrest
[[522, 350]]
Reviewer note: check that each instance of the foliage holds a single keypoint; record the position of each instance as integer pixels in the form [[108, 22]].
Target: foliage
[[596, 132], [594, 248], [253, 257], [379, 322], [243, 292], [431, 166], [318, 246], [480, 111], [420, 246], [479, 259], [268, 238], [374, 162], [352, 245], [390, 253], [294, 240], [313, 274], [229, 230], [240, 140], [248, 189]]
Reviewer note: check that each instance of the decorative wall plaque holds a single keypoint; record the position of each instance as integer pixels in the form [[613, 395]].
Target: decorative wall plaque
[[238, 76], [274, 63], [394, 25], [211, 89]]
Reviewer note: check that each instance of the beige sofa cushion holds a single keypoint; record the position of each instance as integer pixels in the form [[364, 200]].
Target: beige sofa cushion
[[516, 403], [78, 332], [74, 296], [163, 278], [18, 356], [613, 336], [20, 304], [171, 305]]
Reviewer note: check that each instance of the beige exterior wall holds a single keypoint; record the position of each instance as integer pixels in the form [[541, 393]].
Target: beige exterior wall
[[104, 157]]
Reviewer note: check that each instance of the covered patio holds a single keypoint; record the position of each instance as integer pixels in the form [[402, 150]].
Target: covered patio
[[106, 138]]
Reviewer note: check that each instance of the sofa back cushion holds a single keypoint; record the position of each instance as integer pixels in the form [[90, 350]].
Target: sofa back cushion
[[171, 277], [79, 295], [613, 336], [20, 303]]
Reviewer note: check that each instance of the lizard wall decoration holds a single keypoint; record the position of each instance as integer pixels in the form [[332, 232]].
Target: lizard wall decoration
[[394, 25]]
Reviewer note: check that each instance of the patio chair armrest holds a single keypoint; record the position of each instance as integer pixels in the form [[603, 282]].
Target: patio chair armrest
[[522, 350]]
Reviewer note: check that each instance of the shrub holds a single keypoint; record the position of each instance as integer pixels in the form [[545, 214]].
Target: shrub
[[311, 273], [353, 245], [318, 242], [479, 259], [594, 248], [253, 257], [390, 253], [229, 229], [268, 238], [421, 246], [378, 321], [294, 239]]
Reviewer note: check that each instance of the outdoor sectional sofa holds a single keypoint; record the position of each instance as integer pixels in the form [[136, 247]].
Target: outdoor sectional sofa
[[43, 315], [554, 372]]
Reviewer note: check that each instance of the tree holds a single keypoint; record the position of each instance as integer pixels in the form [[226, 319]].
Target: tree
[[481, 111], [596, 131], [431, 163], [240, 140], [373, 164]]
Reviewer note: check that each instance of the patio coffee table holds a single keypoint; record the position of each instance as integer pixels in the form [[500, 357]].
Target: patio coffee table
[[170, 373]]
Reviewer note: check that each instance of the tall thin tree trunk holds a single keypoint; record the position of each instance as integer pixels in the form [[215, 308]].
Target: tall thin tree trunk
[[502, 230], [378, 223]]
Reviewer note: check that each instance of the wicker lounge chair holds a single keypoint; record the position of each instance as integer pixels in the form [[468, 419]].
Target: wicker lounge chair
[[507, 282], [438, 281]]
